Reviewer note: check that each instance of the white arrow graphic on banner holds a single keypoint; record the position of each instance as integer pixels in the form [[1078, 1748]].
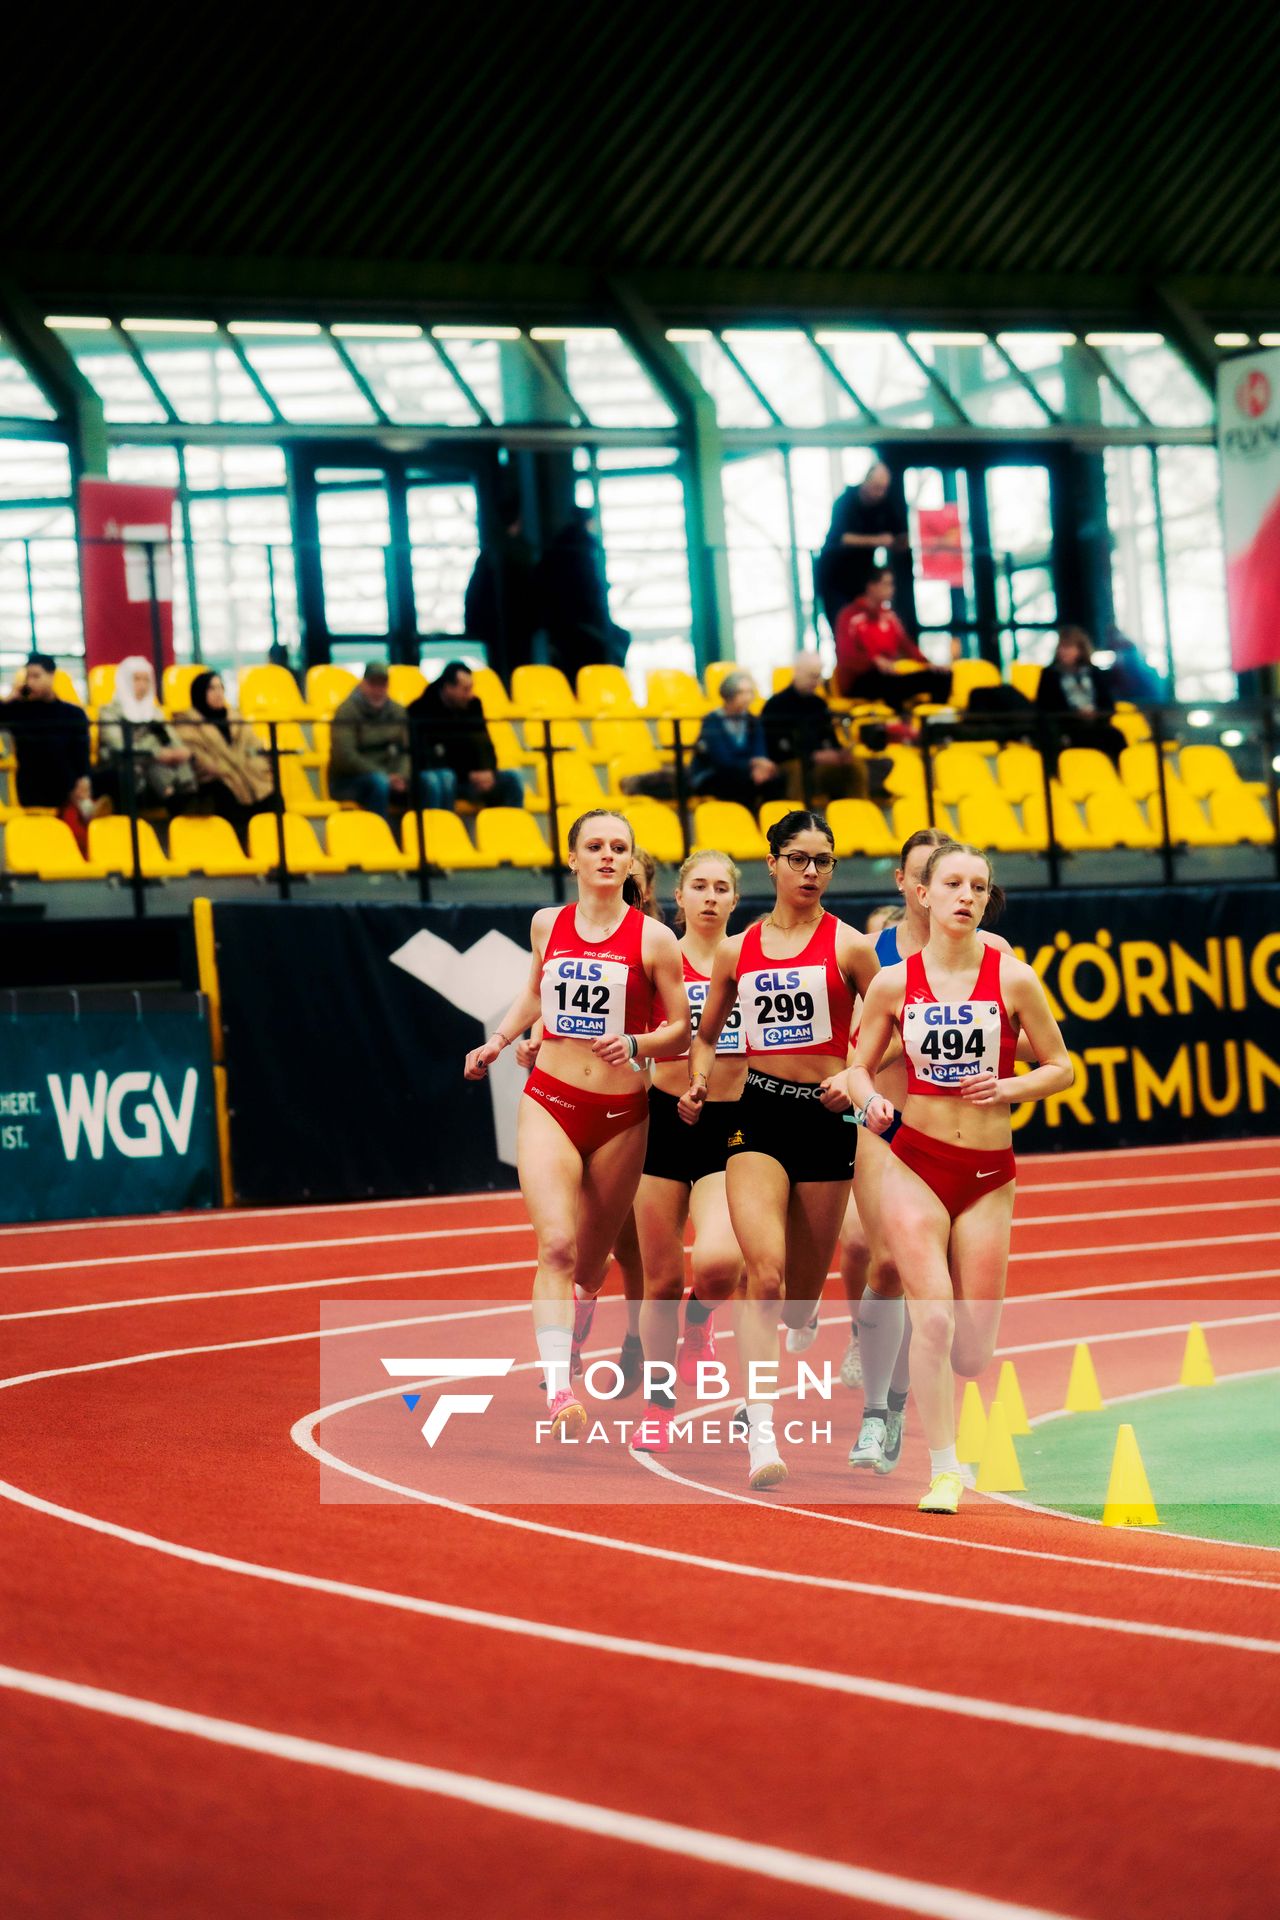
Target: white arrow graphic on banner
[[483, 982]]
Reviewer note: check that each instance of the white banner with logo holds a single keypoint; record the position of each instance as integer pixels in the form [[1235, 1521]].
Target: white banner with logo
[[1249, 446]]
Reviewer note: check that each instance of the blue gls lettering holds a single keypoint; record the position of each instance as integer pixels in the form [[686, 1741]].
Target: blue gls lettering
[[777, 982], [579, 969], [937, 1016]]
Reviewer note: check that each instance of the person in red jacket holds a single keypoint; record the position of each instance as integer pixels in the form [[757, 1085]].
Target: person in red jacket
[[871, 640]]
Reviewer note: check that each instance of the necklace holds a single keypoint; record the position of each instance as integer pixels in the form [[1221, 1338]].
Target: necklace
[[784, 926]]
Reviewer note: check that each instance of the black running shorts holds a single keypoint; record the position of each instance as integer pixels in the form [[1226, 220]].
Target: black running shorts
[[677, 1151], [789, 1123]]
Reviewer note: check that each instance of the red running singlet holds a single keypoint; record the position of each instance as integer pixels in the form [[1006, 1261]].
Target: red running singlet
[[801, 1005], [593, 988], [947, 1044]]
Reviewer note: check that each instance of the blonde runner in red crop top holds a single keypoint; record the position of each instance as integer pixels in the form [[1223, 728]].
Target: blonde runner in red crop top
[[946, 1045], [797, 1006]]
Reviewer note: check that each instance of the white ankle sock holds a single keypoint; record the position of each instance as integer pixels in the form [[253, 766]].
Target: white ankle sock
[[943, 1459], [760, 1421], [555, 1350]]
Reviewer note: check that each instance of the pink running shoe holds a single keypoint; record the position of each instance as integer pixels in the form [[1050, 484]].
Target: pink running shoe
[[699, 1344], [584, 1312], [568, 1416], [653, 1433]]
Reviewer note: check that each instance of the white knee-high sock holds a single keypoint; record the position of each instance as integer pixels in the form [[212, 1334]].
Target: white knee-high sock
[[901, 1381], [555, 1350], [880, 1324]]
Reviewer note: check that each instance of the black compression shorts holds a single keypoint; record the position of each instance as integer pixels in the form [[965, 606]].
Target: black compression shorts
[[680, 1152], [789, 1123]]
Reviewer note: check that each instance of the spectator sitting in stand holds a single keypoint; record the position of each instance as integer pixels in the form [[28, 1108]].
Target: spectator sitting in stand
[[500, 606], [369, 749], [51, 741], [870, 643], [453, 745], [798, 729], [1078, 695], [233, 774], [730, 758], [163, 772], [1132, 677]]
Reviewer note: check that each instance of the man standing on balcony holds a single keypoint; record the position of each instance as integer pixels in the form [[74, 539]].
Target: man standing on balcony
[[863, 519]]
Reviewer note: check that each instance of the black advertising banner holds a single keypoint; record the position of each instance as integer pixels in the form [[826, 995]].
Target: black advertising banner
[[1170, 1003], [346, 1028]]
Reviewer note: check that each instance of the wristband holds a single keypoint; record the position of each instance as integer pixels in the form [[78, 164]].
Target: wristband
[[633, 1045], [699, 1075], [498, 1034]]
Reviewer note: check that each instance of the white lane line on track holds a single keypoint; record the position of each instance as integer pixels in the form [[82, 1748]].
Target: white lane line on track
[[266, 1246], [523, 1266], [303, 1434], [281, 1286], [578, 1816], [1138, 1333], [258, 1248], [820, 1679], [1114, 1156], [1120, 1156], [1120, 1400], [1145, 1180], [215, 1216]]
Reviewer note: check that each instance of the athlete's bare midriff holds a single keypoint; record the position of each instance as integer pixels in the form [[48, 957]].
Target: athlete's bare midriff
[[573, 1062]]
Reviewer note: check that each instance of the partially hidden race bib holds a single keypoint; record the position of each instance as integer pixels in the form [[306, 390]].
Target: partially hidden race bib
[[731, 1040], [784, 1008], [950, 1044], [583, 999]]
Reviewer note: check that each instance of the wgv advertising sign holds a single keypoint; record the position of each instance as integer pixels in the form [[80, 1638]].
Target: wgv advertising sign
[[105, 1112]]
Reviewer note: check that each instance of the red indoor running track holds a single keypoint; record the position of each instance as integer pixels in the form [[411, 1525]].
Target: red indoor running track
[[220, 1695]]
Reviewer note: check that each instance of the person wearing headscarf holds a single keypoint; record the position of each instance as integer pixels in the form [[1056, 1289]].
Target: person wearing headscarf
[[232, 772], [162, 770]]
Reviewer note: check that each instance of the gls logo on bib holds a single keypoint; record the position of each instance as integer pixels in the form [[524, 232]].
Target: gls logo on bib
[[101, 1115]]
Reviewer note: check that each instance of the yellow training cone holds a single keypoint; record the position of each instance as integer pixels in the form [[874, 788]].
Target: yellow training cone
[[972, 1434], [1009, 1394], [1129, 1502], [1197, 1367], [1083, 1393], [998, 1469]]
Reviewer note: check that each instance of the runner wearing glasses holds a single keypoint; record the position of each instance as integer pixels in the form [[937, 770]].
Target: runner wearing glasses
[[795, 977]]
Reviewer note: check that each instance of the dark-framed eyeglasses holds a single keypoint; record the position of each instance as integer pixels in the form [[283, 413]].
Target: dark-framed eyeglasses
[[820, 862]]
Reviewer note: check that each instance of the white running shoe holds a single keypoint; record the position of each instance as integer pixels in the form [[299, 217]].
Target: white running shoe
[[766, 1468], [868, 1449], [894, 1428], [800, 1339], [851, 1365]]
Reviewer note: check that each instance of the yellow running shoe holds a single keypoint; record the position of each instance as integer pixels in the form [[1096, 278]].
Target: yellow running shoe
[[944, 1494]]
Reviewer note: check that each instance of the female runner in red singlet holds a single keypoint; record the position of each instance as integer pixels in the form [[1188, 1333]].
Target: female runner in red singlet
[[790, 1155], [883, 1328], [946, 1194], [684, 1169], [584, 1117]]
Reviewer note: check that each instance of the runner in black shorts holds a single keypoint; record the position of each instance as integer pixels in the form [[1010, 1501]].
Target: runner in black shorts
[[795, 977], [683, 1174]]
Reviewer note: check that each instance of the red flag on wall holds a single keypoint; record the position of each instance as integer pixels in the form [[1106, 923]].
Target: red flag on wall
[[125, 534], [941, 544]]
